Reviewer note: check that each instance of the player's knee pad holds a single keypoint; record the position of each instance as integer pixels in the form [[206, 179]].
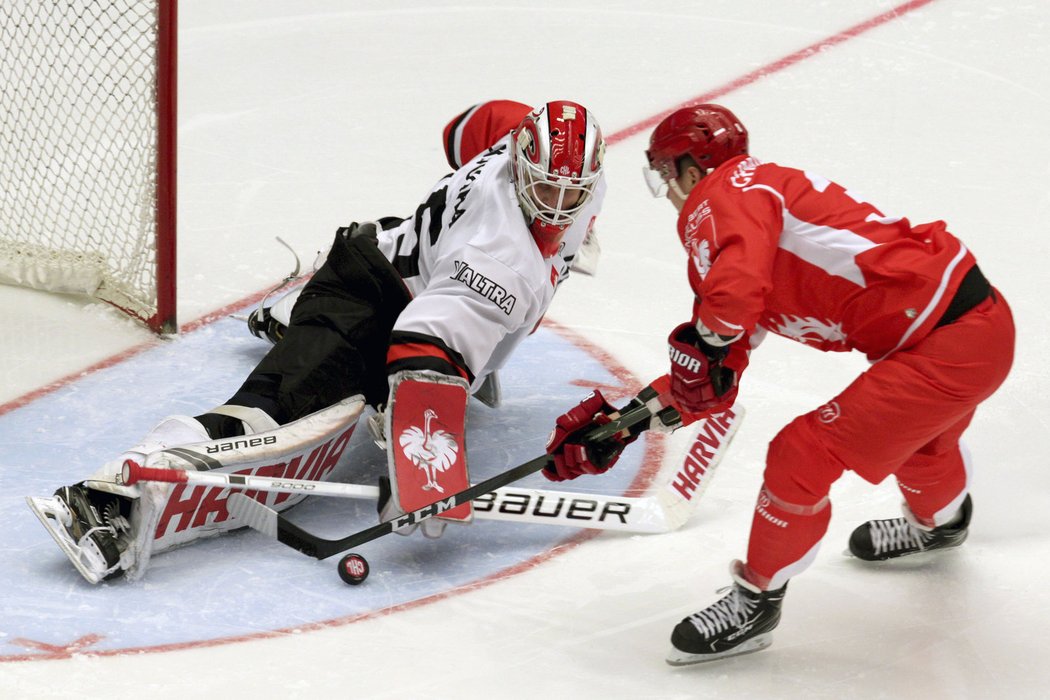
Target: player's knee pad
[[799, 468], [785, 537]]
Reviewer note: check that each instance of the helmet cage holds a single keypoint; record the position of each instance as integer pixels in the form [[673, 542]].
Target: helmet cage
[[557, 155], [547, 198]]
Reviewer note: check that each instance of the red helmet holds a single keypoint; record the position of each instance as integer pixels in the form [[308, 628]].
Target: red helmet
[[557, 154], [710, 133]]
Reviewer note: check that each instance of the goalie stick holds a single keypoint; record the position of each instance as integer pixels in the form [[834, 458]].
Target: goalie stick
[[645, 515], [666, 510], [653, 514]]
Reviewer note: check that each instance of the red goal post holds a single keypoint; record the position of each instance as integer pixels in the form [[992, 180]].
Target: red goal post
[[88, 151]]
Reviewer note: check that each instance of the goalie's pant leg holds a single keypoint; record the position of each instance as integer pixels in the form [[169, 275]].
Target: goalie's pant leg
[[903, 416], [336, 344]]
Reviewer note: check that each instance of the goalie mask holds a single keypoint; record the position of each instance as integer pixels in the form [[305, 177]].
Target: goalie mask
[[557, 155], [708, 133]]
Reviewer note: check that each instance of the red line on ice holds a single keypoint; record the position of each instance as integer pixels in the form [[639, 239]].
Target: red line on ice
[[654, 447]]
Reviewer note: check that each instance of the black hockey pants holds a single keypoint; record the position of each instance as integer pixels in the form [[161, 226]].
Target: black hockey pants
[[337, 342]]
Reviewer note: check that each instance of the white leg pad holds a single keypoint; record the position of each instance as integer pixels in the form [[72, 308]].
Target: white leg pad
[[164, 515]]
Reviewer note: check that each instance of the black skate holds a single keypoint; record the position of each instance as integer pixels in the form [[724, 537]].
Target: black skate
[[878, 540], [262, 325], [88, 525], [739, 623]]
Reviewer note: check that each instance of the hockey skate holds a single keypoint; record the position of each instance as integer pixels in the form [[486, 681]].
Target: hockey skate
[[878, 540], [739, 623], [90, 526]]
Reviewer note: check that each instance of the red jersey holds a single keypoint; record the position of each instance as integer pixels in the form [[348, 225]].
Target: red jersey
[[790, 252], [479, 127]]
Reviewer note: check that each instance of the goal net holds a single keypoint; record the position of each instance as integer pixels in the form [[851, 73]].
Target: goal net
[[87, 151]]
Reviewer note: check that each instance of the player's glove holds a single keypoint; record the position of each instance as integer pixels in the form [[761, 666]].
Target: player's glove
[[699, 382], [572, 454]]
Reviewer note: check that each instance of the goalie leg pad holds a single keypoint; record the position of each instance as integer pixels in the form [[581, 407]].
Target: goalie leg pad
[[309, 448], [162, 516], [426, 448]]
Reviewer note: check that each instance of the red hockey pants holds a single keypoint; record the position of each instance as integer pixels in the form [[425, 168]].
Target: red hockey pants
[[903, 416]]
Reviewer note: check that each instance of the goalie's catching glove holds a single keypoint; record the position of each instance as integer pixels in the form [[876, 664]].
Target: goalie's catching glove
[[699, 382], [572, 454]]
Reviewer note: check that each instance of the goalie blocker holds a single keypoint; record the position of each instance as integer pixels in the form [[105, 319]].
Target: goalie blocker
[[425, 426]]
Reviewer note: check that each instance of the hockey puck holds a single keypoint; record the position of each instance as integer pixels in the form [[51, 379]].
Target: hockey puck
[[353, 569]]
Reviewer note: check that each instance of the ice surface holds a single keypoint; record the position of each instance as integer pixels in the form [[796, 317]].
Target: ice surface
[[299, 117]]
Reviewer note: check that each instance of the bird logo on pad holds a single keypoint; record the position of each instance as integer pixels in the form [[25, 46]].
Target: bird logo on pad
[[429, 462], [431, 449]]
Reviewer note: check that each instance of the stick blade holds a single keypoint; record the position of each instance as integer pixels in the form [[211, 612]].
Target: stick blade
[[680, 497], [255, 515]]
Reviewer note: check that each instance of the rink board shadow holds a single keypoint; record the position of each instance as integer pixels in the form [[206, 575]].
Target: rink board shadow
[[242, 585]]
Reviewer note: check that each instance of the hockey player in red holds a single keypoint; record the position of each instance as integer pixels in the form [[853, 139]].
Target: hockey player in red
[[409, 316], [776, 249]]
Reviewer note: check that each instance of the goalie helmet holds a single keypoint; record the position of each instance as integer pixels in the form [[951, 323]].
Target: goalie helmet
[[709, 133], [557, 152]]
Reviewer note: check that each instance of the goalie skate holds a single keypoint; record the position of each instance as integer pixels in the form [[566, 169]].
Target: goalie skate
[[88, 526]]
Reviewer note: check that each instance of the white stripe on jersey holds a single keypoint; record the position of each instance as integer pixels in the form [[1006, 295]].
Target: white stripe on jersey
[[936, 299], [833, 250]]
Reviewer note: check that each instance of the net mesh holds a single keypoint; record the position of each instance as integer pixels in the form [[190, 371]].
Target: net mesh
[[78, 148]]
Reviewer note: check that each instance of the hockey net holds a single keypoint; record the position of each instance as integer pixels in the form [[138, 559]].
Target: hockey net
[[87, 151]]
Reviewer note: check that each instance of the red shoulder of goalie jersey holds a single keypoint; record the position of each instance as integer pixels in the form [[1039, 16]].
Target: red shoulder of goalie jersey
[[477, 128]]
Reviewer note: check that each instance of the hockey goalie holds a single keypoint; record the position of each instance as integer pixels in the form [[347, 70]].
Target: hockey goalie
[[408, 316]]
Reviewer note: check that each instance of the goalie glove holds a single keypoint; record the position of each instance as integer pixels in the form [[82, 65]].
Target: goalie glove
[[424, 428]]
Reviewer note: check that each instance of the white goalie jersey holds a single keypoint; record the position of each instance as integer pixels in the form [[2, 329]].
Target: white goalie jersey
[[478, 280]]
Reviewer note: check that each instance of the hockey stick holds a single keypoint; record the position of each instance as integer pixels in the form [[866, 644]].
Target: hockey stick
[[667, 510], [266, 520], [543, 506]]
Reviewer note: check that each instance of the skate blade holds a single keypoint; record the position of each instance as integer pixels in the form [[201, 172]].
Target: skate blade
[[49, 515], [681, 658]]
